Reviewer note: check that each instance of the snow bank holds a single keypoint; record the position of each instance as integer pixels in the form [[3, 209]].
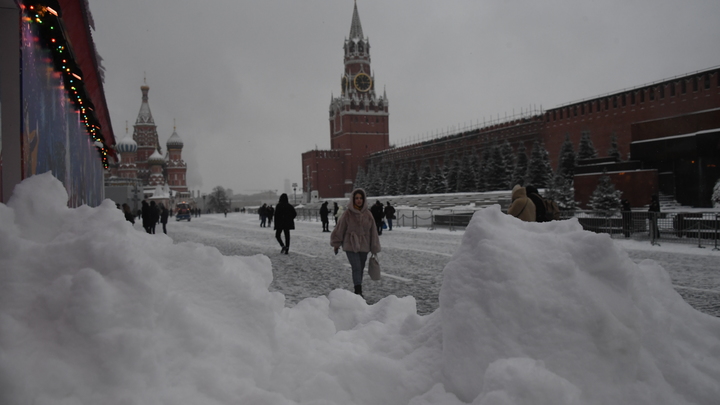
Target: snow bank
[[94, 311]]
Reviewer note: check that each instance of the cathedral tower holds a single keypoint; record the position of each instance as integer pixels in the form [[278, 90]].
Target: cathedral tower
[[176, 168], [146, 136]]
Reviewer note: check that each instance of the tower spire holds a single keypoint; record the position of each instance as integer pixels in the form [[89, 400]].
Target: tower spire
[[356, 28]]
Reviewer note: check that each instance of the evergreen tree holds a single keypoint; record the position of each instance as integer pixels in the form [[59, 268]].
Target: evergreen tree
[[539, 171], [605, 198], [425, 178], [452, 177], [402, 179], [466, 175], [716, 195], [483, 174], [508, 154], [521, 166], [474, 162], [568, 161], [360, 178], [439, 185], [370, 184], [586, 150], [218, 199], [412, 180], [562, 192], [497, 178], [613, 152], [390, 186]]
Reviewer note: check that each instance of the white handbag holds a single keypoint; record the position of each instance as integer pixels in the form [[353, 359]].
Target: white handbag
[[374, 267]]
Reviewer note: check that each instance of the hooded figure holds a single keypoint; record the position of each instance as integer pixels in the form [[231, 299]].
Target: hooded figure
[[284, 221], [357, 234], [521, 207], [324, 211], [534, 195]]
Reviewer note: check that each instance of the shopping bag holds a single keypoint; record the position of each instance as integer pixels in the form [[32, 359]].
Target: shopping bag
[[374, 268]]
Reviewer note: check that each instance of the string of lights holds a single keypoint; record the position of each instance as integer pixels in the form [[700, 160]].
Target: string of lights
[[52, 36]]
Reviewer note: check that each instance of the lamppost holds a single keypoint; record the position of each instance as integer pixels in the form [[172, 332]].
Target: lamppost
[[294, 193], [204, 195], [135, 198]]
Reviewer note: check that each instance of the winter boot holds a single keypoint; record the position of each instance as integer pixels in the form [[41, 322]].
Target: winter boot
[[358, 290]]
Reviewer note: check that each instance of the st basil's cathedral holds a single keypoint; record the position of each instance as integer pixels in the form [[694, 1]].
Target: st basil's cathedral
[[143, 167]]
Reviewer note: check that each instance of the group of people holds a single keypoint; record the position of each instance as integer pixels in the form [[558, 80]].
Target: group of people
[[527, 204], [267, 212], [381, 213], [151, 215]]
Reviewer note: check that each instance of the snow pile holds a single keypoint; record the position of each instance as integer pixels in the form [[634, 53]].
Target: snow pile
[[94, 311]]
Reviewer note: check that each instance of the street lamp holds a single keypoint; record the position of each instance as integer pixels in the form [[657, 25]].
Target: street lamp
[[294, 193], [203, 207]]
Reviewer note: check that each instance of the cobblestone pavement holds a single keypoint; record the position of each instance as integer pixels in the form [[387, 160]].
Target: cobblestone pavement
[[412, 261]]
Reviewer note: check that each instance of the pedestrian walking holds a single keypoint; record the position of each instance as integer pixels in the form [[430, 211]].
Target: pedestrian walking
[[335, 211], [653, 214], [521, 206], [164, 217], [128, 213], [378, 215], [389, 215], [356, 233], [155, 216], [324, 212], [270, 212], [284, 221], [146, 216], [263, 215]]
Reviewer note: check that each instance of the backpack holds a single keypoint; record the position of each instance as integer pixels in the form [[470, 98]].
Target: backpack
[[552, 211]]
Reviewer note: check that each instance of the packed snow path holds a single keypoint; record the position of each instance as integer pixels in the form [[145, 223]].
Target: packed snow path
[[412, 260]]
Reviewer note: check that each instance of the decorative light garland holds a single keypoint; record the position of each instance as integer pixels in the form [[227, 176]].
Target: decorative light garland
[[51, 35]]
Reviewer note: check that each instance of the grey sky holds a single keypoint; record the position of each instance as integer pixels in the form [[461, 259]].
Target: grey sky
[[249, 82]]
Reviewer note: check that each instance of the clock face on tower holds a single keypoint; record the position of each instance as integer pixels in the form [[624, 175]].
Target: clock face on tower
[[362, 82]]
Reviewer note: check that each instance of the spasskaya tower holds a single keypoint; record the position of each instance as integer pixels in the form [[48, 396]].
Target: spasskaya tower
[[358, 123]]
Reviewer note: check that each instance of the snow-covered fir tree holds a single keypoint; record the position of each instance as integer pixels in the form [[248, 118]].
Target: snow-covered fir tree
[[614, 152], [586, 149], [539, 170], [402, 179], [412, 179], [606, 198], [483, 173], [371, 180], [439, 185], [716, 195], [390, 187], [562, 192], [497, 178], [452, 177], [568, 160], [508, 154], [466, 175], [425, 177], [521, 166], [360, 178], [474, 160]]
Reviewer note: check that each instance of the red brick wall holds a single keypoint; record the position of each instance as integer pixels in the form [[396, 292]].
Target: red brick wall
[[637, 186]]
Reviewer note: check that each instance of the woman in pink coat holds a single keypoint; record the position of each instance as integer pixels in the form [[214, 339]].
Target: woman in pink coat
[[356, 233]]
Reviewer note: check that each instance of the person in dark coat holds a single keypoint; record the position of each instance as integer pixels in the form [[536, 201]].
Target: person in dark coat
[[521, 206], [164, 213], [653, 214], [155, 216], [128, 214], [284, 221], [378, 214], [626, 217], [146, 216], [263, 215], [335, 211], [389, 215], [534, 195], [324, 212], [270, 212]]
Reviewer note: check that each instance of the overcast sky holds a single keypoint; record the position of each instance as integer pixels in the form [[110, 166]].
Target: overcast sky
[[249, 83]]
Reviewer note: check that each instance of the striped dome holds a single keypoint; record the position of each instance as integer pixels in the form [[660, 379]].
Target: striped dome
[[127, 144]]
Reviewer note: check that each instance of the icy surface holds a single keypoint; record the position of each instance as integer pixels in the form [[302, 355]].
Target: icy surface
[[92, 310]]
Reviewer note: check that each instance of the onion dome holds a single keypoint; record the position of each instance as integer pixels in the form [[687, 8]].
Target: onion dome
[[127, 144], [174, 142], [156, 158]]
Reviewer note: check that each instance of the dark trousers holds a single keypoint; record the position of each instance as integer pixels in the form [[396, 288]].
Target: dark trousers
[[389, 224], [357, 263], [165, 227], [287, 237]]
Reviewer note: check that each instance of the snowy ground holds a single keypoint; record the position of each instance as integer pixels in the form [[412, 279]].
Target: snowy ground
[[412, 260], [95, 311]]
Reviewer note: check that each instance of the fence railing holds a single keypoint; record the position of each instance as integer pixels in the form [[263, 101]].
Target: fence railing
[[697, 228]]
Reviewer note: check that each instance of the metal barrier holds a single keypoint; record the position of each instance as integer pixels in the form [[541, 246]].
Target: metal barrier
[[697, 228]]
